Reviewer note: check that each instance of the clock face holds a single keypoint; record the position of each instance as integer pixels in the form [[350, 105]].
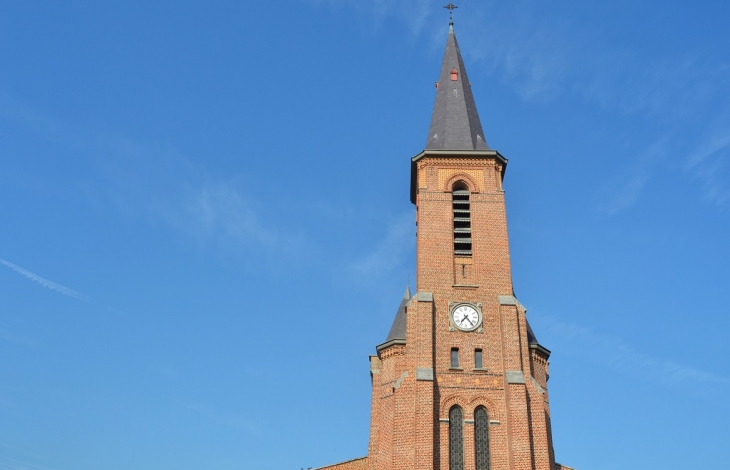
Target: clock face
[[465, 317]]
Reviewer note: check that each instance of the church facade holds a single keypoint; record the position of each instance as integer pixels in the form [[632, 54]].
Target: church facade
[[461, 381]]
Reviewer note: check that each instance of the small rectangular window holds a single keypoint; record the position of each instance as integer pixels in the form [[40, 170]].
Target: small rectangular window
[[454, 358], [478, 364]]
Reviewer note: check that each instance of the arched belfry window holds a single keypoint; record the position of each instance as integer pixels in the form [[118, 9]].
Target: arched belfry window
[[462, 220], [481, 438], [456, 439]]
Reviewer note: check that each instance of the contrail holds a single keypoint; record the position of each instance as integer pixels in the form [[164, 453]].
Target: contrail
[[45, 282]]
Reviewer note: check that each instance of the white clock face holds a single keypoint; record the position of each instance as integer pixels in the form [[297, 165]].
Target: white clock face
[[465, 317]]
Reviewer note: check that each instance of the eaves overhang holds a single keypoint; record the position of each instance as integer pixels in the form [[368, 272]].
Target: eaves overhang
[[540, 349], [452, 154], [390, 343]]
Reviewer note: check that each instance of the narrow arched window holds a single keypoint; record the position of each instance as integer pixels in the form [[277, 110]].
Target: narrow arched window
[[456, 439], [462, 220], [481, 438]]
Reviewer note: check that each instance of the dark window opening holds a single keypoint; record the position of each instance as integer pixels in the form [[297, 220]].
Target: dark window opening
[[455, 358], [478, 364], [481, 438], [462, 220], [456, 439]]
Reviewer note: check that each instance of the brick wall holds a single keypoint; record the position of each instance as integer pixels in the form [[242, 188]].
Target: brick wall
[[410, 417]]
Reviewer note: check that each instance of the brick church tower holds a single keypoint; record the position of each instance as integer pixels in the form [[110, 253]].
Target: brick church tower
[[460, 382]]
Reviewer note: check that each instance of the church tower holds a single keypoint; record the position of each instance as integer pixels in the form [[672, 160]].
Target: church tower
[[460, 382]]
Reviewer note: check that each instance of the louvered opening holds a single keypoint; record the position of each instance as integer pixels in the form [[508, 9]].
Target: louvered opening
[[462, 221]]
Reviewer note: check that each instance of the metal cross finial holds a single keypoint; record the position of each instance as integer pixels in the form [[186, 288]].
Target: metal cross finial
[[451, 7]]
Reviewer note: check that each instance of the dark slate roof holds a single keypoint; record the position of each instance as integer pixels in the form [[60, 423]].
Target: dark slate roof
[[398, 330], [455, 122], [531, 339]]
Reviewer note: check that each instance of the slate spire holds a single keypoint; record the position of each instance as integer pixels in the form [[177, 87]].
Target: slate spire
[[398, 330], [455, 122]]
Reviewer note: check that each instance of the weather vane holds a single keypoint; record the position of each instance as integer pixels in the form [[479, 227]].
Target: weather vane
[[451, 7]]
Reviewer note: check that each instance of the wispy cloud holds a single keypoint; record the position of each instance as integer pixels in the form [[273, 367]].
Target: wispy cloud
[[543, 56], [224, 215], [14, 458], [391, 251], [159, 184], [625, 191], [219, 207], [169, 189], [625, 359], [414, 13], [8, 463], [629, 192], [15, 338], [708, 164], [528, 55], [45, 282]]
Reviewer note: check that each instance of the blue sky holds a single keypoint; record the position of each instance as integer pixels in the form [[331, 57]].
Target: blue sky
[[205, 226]]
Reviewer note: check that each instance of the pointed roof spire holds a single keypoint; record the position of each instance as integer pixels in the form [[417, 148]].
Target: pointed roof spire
[[398, 330], [455, 122]]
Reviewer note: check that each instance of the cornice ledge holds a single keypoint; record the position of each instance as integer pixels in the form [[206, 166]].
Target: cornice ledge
[[540, 348], [458, 154], [510, 300], [392, 342], [451, 154]]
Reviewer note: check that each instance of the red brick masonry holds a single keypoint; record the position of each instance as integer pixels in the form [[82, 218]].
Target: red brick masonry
[[413, 383]]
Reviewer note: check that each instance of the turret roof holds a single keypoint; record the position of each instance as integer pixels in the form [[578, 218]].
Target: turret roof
[[398, 330]]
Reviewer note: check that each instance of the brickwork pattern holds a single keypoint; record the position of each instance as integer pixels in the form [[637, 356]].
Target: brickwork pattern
[[410, 408]]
